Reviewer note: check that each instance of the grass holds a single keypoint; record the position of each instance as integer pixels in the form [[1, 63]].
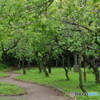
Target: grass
[[2, 70], [7, 88], [10, 89], [57, 78], [3, 75]]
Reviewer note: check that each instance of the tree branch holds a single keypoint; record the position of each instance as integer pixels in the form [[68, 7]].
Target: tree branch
[[15, 44], [75, 24], [45, 6]]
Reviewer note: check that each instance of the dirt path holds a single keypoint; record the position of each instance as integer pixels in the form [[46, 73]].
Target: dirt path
[[34, 91]]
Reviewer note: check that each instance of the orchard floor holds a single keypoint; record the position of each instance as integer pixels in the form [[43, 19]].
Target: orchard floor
[[33, 91]]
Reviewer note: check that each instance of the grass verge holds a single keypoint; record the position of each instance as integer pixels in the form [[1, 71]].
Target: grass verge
[[2, 70], [57, 78], [7, 88], [10, 89]]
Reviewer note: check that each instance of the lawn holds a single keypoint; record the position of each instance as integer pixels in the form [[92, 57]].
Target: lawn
[[3, 70], [10, 89], [7, 88], [57, 79]]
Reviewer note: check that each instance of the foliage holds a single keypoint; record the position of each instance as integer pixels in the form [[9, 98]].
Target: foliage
[[54, 26], [2, 66]]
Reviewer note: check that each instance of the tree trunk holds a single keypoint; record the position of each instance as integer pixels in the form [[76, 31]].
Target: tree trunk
[[69, 63], [49, 65], [80, 76], [19, 64], [96, 72], [43, 68], [57, 62], [94, 67], [66, 70], [66, 73], [97, 76], [49, 68], [40, 70], [16, 62], [75, 59], [39, 66], [24, 70], [4, 57], [76, 66], [28, 65]]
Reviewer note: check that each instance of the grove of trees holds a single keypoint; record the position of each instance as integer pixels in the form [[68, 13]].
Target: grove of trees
[[51, 33]]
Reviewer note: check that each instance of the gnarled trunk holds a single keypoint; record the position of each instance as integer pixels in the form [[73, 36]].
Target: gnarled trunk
[[43, 68], [66, 70], [66, 73], [80, 76], [97, 76], [94, 67]]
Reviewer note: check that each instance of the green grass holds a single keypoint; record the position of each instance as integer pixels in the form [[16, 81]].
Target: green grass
[[2, 70], [3, 75], [7, 88], [10, 89], [57, 78]]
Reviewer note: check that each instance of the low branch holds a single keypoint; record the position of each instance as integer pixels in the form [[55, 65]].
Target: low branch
[[75, 24], [93, 49], [45, 6], [15, 44], [88, 61]]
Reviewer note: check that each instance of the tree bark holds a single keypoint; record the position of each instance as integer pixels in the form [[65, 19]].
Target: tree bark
[[39, 66], [69, 63], [80, 76], [40, 70], [75, 59], [97, 76], [94, 67], [49, 68], [66, 70], [57, 62], [48, 64], [16, 63], [19, 64], [43, 68], [76, 66], [28, 65], [24, 70], [66, 73]]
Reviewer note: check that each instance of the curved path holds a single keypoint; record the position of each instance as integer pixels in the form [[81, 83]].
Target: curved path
[[33, 91]]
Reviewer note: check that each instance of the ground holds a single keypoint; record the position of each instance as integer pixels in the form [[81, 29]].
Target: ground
[[33, 91]]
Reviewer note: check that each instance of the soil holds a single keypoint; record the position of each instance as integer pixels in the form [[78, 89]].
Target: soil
[[33, 91]]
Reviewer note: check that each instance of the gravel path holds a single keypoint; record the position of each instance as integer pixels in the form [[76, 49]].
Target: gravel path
[[33, 91]]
